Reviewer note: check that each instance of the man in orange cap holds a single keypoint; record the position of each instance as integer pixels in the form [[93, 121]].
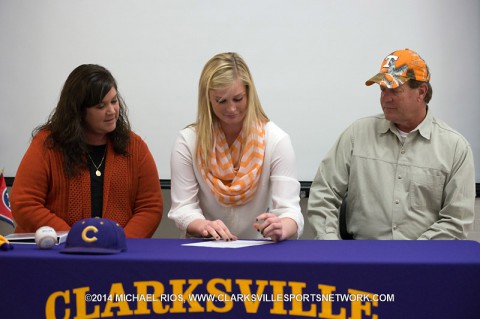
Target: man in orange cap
[[408, 174]]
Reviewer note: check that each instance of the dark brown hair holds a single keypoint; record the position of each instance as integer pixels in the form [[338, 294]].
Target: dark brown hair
[[85, 87]]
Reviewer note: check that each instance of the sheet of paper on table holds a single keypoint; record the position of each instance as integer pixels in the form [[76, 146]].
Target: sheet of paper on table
[[229, 244]]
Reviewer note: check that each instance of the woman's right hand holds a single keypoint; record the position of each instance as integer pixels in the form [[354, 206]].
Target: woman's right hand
[[210, 229]]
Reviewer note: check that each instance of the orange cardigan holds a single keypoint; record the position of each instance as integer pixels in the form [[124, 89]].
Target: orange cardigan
[[43, 196]]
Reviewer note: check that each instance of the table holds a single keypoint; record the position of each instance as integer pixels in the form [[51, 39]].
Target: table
[[292, 279]]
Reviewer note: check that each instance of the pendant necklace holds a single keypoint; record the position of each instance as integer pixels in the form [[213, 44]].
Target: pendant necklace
[[97, 172]]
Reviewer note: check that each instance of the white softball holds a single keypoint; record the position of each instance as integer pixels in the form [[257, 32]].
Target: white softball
[[45, 237]]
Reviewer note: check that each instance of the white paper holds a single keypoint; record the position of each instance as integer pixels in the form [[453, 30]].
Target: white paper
[[229, 244]]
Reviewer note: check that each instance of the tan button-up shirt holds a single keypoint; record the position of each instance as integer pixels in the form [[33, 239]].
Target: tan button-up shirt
[[420, 187]]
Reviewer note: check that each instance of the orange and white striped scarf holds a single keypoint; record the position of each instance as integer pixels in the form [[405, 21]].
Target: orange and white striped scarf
[[234, 171]]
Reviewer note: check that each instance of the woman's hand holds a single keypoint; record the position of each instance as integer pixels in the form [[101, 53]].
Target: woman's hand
[[210, 229], [278, 229]]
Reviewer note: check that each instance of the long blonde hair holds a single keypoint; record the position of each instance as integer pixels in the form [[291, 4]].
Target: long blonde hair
[[220, 72]]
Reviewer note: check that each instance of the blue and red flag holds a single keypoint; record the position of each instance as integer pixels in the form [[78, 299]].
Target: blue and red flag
[[5, 211]]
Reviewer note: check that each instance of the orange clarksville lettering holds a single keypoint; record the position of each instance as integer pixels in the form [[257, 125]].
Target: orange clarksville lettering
[[283, 298]]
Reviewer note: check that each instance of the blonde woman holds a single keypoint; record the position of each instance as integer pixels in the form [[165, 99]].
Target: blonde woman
[[233, 170]]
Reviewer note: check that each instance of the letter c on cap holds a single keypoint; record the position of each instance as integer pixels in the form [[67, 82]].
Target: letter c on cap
[[89, 239]]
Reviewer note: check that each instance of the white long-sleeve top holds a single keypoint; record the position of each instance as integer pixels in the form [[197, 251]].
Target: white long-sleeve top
[[278, 191]]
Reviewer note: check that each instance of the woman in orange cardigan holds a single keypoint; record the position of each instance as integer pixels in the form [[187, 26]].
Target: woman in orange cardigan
[[86, 162]]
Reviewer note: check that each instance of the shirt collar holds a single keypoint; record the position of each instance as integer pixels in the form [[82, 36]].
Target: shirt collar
[[424, 128]]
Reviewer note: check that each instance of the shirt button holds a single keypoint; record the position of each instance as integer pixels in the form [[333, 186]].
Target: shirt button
[[394, 226], [397, 201], [402, 151], [399, 176]]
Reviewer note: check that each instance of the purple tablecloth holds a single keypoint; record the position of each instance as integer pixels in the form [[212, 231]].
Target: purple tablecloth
[[292, 279]]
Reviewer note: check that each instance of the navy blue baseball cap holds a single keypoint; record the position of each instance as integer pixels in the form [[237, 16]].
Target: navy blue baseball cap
[[95, 236]]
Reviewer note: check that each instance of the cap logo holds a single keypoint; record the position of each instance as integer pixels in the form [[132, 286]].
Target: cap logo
[[390, 60], [391, 66], [89, 239], [95, 236]]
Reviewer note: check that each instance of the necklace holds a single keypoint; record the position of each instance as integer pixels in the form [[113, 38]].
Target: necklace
[[97, 172]]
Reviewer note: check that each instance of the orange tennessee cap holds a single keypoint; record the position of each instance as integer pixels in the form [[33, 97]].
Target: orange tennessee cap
[[400, 66]]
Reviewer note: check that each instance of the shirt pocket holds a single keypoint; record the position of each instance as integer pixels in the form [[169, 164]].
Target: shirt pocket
[[426, 189]]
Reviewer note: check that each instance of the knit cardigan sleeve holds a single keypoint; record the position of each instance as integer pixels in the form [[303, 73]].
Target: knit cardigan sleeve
[[148, 202], [32, 186]]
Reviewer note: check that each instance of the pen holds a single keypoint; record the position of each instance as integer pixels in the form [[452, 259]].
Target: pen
[[262, 220]]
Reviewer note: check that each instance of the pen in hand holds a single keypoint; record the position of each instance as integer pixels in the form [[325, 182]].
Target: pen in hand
[[272, 226], [260, 220]]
